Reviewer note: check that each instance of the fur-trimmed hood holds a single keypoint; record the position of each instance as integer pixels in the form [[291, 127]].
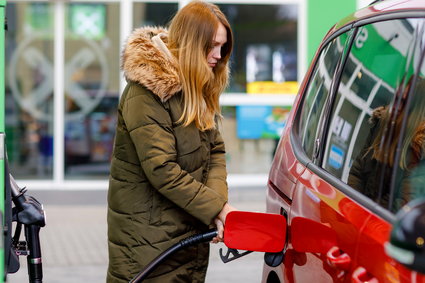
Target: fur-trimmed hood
[[147, 61]]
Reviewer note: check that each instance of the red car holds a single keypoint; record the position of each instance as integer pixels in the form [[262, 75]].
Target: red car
[[349, 170]]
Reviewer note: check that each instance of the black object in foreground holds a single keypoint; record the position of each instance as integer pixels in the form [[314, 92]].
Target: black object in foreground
[[29, 213], [190, 241]]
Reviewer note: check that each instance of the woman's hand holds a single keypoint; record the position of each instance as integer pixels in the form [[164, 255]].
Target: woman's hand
[[220, 228], [220, 221]]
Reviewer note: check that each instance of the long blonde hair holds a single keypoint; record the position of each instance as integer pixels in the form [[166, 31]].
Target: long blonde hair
[[190, 39], [414, 135]]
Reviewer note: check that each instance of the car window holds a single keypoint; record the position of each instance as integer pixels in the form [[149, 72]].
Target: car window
[[364, 125], [318, 92], [410, 172]]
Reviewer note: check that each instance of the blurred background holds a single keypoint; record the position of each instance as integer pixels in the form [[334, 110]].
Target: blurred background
[[63, 83]]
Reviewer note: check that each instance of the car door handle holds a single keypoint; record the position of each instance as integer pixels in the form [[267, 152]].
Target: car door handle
[[360, 275], [338, 259]]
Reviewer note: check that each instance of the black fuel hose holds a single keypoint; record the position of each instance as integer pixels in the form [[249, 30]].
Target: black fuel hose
[[189, 241]]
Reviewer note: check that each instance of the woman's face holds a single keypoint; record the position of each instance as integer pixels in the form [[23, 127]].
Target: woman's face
[[219, 40]]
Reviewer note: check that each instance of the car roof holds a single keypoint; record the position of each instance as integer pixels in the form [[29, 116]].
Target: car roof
[[385, 8]]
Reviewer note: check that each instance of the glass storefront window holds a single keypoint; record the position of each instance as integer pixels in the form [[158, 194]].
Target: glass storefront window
[[264, 58], [29, 89], [92, 58], [265, 46], [265, 51], [153, 14]]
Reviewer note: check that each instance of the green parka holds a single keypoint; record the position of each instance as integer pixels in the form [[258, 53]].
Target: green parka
[[167, 181]]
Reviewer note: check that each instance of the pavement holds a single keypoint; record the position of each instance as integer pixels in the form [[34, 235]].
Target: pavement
[[74, 241]]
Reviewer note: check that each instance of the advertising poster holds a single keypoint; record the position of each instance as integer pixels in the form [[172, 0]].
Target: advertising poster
[[256, 122]]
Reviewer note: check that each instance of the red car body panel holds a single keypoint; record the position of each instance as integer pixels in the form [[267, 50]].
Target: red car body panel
[[338, 222], [371, 254], [285, 168]]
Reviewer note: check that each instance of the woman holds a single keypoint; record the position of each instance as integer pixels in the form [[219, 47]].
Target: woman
[[373, 169], [168, 174]]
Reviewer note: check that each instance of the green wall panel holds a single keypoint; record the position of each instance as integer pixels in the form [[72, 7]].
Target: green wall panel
[[321, 16]]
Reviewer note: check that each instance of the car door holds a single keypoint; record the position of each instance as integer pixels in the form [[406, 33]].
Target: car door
[[329, 209], [407, 173]]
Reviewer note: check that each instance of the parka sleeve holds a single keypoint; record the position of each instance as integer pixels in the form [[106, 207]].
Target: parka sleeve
[[150, 128], [217, 173]]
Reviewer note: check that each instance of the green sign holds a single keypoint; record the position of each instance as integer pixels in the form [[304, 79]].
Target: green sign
[[88, 20]]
